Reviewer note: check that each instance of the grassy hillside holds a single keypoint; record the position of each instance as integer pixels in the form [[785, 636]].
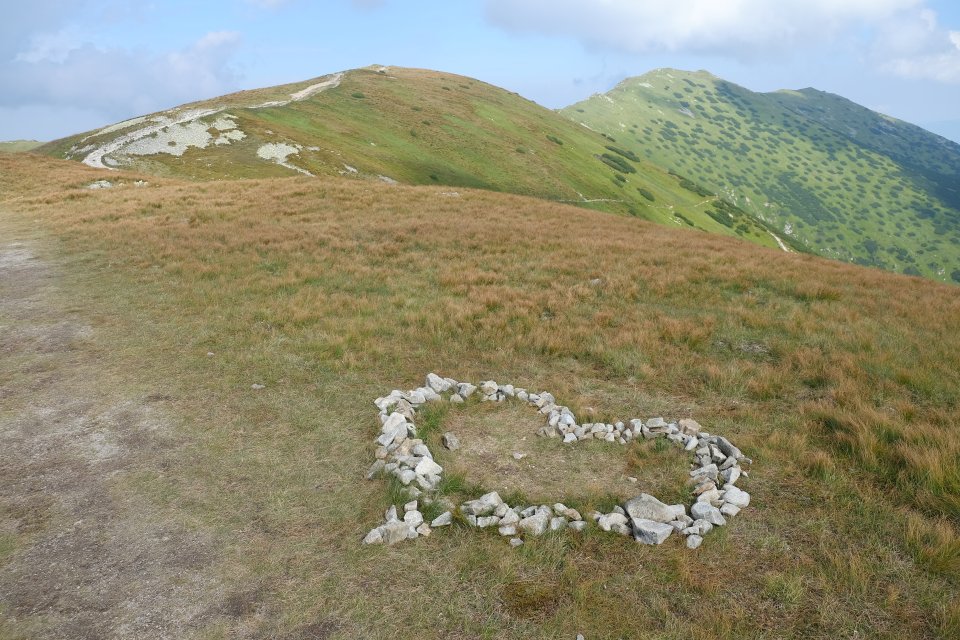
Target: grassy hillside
[[840, 382], [16, 146], [841, 180], [414, 127]]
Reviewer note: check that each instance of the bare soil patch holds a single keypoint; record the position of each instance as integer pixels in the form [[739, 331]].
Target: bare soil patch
[[80, 555]]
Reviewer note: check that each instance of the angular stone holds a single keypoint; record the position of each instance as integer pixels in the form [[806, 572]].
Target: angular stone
[[694, 541], [729, 510], [708, 512], [515, 542], [374, 537], [465, 389], [391, 515], [413, 518], [708, 471], [510, 517], [606, 522], [536, 524], [698, 528], [689, 427], [394, 532], [436, 383], [571, 514], [489, 387], [737, 497], [650, 531], [482, 506], [558, 523], [421, 450], [375, 469], [577, 525], [410, 506], [656, 423], [424, 530], [622, 529], [450, 441], [442, 520], [730, 475], [427, 467], [508, 530], [487, 521], [728, 449], [569, 438], [646, 507], [678, 525], [456, 398]]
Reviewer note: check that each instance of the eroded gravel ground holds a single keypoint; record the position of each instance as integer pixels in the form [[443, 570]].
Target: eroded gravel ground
[[79, 556]]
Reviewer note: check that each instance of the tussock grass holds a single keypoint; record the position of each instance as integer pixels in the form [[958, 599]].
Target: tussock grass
[[840, 382]]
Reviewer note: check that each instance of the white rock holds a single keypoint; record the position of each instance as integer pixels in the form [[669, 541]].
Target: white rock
[[569, 438], [413, 518], [450, 441], [374, 537], [456, 398], [410, 506], [729, 510], [515, 542], [375, 469], [558, 523], [427, 467], [482, 506], [442, 520], [436, 383], [465, 389], [487, 521], [489, 387], [510, 517], [647, 507], [406, 476], [508, 530], [650, 532], [737, 497], [536, 524], [519, 456], [424, 530], [694, 541], [577, 525], [394, 532], [607, 521], [708, 512]]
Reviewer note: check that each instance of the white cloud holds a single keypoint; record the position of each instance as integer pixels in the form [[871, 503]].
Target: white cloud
[[737, 28], [917, 47], [120, 82]]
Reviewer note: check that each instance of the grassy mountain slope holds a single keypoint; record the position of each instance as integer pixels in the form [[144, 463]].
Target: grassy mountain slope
[[414, 127], [841, 180], [840, 382], [16, 146]]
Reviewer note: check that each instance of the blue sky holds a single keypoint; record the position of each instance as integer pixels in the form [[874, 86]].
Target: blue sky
[[72, 65]]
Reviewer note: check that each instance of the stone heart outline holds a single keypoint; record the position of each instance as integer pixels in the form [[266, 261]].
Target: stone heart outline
[[646, 518]]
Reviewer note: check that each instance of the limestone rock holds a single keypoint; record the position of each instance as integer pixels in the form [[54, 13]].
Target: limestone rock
[[689, 427], [694, 541], [465, 389], [708, 512], [442, 520], [646, 507], [607, 521], [536, 524], [374, 537], [450, 441], [482, 506], [436, 383], [515, 542], [737, 497], [394, 532], [650, 531]]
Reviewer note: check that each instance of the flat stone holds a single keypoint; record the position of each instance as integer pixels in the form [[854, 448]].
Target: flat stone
[[708, 512], [508, 530], [569, 438], [536, 524], [729, 510], [424, 530], [421, 450], [442, 520], [487, 521], [410, 506], [650, 531], [509, 517], [730, 475], [708, 471], [694, 541], [515, 542], [482, 506], [465, 389], [728, 449], [647, 507]]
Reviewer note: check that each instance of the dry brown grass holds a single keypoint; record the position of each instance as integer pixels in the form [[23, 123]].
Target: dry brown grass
[[841, 383]]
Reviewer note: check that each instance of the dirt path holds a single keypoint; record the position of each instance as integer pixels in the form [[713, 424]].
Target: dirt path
[[80, 555]]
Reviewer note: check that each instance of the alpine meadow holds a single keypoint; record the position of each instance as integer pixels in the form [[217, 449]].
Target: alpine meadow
[[398, 353]]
